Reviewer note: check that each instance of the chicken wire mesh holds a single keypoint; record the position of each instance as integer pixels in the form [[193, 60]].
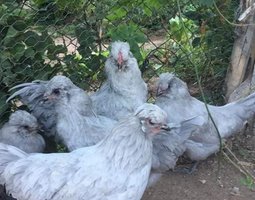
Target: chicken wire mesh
[[42, 38]]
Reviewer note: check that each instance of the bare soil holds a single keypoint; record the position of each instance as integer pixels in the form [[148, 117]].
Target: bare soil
[[215, 179]]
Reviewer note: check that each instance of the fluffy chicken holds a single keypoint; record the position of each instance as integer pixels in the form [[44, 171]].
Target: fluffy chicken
[[77, 125], [118, 167], [21, 131], [124, 89], [32, 95], [174, 98]]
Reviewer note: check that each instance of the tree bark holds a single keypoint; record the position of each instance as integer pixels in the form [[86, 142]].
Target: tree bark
[[243, 54]]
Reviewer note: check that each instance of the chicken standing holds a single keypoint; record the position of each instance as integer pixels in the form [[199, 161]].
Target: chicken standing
[[21, 131], [174, 98], [124, 89], [118, 167], [77, 127]]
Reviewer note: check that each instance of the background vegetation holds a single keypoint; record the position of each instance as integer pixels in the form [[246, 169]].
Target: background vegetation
[[40, 38]]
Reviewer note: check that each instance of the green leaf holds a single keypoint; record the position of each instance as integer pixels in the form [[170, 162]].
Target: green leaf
[[130, 33], [193, 15], [86, 40], [29, 53], [53, 50], [11, 33], [117, 13], [12, 19], [196, 41], [19, 25], [31, 38], [206, 2], [18, 51]]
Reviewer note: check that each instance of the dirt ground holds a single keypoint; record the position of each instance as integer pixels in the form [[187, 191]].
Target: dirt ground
[[215, 179]]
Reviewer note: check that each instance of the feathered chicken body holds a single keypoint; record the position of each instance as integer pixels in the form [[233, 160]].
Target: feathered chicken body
[[116, 168], [124, 89], [32, 95], [70, 111], [77, 124], [169, 145], [173, 97], [22, 131]]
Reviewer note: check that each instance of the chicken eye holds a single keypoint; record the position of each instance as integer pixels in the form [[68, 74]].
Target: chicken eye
[[26, 127], [56, 91], [170, 84], [151, 123]]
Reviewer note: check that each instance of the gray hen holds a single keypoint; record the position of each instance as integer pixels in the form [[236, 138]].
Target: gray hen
[[124, 89], [170, 145], [77, 125], [118, 167], [21, 131], [31, 94], [173, 97]]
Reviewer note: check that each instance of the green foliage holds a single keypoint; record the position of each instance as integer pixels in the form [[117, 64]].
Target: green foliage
[[248, 182], [130, 33], [24, 52], [200, 38], [206, 2], [29, 31]]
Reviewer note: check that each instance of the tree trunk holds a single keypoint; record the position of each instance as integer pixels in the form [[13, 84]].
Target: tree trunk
[[243, 54]]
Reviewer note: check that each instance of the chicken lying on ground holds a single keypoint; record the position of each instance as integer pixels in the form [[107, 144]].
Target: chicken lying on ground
[[22, 131], [118, 167], [124, 89], [174, 98]]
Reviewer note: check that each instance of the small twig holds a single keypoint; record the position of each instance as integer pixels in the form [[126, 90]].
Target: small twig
[[199, 83], [23, 4], [241, 167], [234, 164], [231, 23]]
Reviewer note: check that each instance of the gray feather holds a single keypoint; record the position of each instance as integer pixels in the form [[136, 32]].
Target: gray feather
[[77, 125], [32, 95], [174, 98], [118, 167], [124, 89], [21, 131]]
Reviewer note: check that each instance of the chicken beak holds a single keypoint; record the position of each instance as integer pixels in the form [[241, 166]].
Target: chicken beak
[[165, 127], [120, 60], [40, 128], [159, 91], [48, 97], [32, 129]]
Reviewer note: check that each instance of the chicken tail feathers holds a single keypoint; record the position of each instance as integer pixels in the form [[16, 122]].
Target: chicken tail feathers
[[248, 101], [237, 114], [29, 93]]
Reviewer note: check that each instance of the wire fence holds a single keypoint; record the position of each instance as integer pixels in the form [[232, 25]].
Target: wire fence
[[42, 38]]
